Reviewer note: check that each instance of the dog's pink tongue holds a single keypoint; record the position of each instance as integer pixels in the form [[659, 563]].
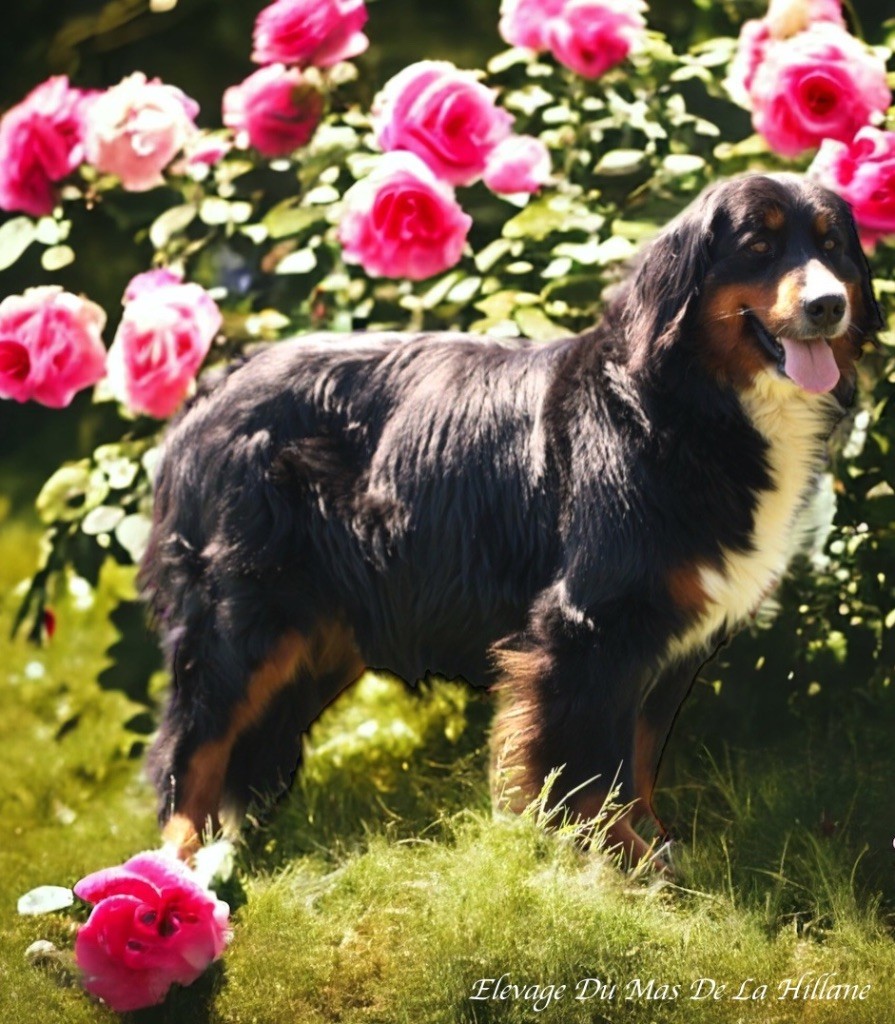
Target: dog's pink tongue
[[810, 364]]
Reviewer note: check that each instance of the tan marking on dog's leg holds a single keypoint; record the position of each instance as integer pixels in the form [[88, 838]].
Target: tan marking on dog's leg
[[515, 779], [198, 796]]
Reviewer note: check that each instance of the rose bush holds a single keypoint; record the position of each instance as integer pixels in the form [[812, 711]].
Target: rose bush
[[50, 346], [152, 926]]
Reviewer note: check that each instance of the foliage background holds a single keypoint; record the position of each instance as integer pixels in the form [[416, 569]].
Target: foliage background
[[780, 768]]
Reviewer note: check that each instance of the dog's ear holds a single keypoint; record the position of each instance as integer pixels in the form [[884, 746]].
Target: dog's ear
[[870, 317], [667, 283]]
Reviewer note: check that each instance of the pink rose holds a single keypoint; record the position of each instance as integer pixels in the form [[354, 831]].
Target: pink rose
[[152, 925], [821, 83], [863, 173], [784, 18], [165, 333], [275, 110], [444, 115], [50, 346], [521, 163], [401, 221], [522, 21], [591, 36], [136, 128], [41, 141], [318, 32]]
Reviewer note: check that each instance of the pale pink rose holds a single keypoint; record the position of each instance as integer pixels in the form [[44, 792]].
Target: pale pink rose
[[276, 110], [863, 173], [165, 333], [444, 115], [41, 141], [522, 21], [592, 36], [50, 346], [136, 128], [401, 221], [521, 163], [818, 84], [318, 32], [152, 926]]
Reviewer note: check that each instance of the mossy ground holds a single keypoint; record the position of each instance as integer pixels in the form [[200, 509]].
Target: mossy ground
[[383, 889]]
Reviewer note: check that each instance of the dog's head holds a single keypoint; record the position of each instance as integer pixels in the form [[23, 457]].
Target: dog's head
[[761, 275]]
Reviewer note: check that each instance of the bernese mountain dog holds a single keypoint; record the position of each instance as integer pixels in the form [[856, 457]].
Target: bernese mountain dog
[[576, 524]]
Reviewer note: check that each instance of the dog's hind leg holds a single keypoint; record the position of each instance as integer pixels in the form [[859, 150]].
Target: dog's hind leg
[[571, 706], [214, 751]]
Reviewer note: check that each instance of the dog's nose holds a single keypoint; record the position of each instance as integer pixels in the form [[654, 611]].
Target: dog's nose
[[825, 311]]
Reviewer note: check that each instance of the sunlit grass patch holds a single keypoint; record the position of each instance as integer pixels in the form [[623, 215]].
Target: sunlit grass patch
[[410, 931]]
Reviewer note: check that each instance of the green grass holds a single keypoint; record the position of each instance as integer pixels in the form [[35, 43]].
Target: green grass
[[383, 889]]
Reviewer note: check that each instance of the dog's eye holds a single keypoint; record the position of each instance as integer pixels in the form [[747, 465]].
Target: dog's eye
[[830, 244], [761, 246]]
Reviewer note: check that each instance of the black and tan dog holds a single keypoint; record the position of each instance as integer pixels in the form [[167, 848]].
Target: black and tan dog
[[579, 523]]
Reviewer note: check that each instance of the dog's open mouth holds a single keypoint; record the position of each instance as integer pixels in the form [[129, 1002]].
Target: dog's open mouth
[[808, 362]]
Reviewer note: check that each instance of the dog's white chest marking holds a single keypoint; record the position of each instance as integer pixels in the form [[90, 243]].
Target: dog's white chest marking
[[795, 426]]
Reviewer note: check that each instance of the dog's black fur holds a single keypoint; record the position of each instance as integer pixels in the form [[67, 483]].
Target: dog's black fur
[[532, 516]]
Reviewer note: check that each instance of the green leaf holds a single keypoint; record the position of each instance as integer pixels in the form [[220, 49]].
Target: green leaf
[[287, 219], [15, 237], [170, 223], [58, 257], [556, 214], [679, 164], [618, 162], [535, 324], [493, 251], [214, 211], [102, 519], [302, 261], [132, 533]]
